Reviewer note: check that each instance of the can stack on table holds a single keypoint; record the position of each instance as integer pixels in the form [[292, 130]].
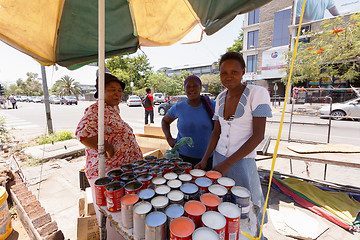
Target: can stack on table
[[167, 199]]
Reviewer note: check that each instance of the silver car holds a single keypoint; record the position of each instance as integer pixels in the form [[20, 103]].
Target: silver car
[[349, 109]]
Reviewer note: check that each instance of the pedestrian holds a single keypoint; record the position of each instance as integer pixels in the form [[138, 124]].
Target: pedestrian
[[194, 120], [149, 110], [240, 120], [120, 143], [13, 101]]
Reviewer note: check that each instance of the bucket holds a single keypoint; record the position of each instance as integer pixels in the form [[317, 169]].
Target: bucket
[[215, 221], [127, 205], [5, 222], [213, 175], [100, 185], [211, 201], [155, 226], [140, 211], [181, 228], [232, 214], [114, 193], [194, 210], [205, 233], [241, 197]]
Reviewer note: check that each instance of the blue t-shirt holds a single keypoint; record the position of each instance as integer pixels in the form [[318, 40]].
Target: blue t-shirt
[[193, 122]]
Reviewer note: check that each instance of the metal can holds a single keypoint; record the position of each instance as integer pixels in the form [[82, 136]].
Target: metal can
[[151, 165], [170, 176], [162, 161], [128, 177], [140, 170], [139, 163], [193, 210], [174, 184], [205, 233], [203, 183], [197, 173], [219, 191], [127, 167], [157, 172], [146, 194], [176, 197], [176, 161], [127, 204], [232, 214], [178, 170], [145, 179], [213, 175], [150, 158], [168, 167], [100, 185], [181, 228], [162, 190], [174, 211], [115, 174], [114, 193], [186, 166], [133, 187], [185, 178], [215, 221], [228, 183], [190, 191], [140, 211], [241, 197], [211, 201], [155, 226], [160, 203], [157, 181]]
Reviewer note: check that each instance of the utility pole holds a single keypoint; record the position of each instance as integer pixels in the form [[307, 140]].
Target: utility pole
[[46, 101]]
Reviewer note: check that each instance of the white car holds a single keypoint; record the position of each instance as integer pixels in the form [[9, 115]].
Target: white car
[[133, 101], [159, 98], [349, 109]]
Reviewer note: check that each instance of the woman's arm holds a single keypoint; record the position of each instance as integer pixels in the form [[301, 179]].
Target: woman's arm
[[165, 125], [259, 124], [92, 142], [214, 138]]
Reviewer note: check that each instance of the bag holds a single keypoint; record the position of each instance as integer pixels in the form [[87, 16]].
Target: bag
[[145, 101]]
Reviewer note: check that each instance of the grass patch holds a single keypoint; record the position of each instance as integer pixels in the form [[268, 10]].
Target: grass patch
[[55, 137]]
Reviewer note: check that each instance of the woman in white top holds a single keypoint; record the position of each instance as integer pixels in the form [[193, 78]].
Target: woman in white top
[[240, 119]]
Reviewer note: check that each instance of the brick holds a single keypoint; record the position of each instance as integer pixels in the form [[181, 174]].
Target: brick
[[41, 221], [27, 200], [18, 186], [24, 194], [58, 235], [36, 213], [47, 229], [32, 206]]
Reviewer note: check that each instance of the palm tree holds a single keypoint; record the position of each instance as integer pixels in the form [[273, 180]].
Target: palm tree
[[67, 86]]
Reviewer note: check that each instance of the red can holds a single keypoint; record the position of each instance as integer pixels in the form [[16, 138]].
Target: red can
[[176, 161], [145, 179], [178, 170], [211, 201], [100, 185], [140, 170], [150, 158], [157, 172], [181, 228], [151, 165], [213, 175], [193, 210], [115, 174], [139, 163], [133, 187], [162, 161], [232, 214], [215, 221], [114, 193], [127, 167], [168, 167], [128, 177], [203, 183], [197, 173], [186, 166]]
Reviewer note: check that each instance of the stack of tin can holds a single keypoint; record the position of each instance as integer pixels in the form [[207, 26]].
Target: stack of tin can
[[167, 199]]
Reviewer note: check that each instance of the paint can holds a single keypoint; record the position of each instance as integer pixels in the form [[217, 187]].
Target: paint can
[[140, 170], [140, 211], [100, 185], [155, 226], [186, 166], [232, 214], [219, 191], [216, 221], [160, 203], [115, 174], [127, 167], [203, 183], [150, 158], [139, 163], [205, 233], [213, 175], [197, 173], [146, 194], [185, 178], [151, 165], [168, 167], [174, 211], [5, 221], [176, 161], [127, 205], [181, 228], [133, 187], [228, 183], [174, 184], [156, 172], [193, 210], [178, 170], [162, 161], [145, 179], [241, 197], [170, 176], [176, 197], [162, 190], [211, 201], [128, 177], [158, 181], [190, 191], [114, 193]]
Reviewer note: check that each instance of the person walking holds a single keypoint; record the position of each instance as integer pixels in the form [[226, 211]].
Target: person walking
[[13, 101], [149, 110]]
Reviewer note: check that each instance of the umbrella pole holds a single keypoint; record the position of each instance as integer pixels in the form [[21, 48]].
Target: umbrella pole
[[101, 61]]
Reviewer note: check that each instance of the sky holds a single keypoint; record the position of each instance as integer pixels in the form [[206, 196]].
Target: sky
[[15, 65]]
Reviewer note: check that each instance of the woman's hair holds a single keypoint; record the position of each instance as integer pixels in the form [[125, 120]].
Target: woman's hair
[[233, 56], [192, 77]]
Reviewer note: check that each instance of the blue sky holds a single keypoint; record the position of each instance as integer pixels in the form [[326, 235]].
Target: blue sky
[[15, 65]]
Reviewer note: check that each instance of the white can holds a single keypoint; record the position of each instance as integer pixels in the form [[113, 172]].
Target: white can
[[160, 203], [170, 176], [219, 191], [174, 184], [140, 211], [176, 197], [162, 190], [204, 233], [215, 221], [185, 177], [232, 214]]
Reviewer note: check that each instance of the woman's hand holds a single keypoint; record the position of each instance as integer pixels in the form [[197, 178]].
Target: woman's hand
[[201, 165], [222, 167], [109, 149]]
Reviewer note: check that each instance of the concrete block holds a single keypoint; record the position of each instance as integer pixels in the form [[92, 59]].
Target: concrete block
[[58, 235], [36, 213], [32, 206], [47, 229], [27, 200], [41, 221], [24, 195]]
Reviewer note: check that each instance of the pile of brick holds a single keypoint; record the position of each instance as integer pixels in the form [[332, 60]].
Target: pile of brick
[[34, 218]]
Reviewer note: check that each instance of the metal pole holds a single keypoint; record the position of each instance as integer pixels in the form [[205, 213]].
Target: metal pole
[[46, 101], [328, 139], [291, 117]]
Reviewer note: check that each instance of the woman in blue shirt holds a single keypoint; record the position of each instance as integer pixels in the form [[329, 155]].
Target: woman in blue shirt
[[194, 120]]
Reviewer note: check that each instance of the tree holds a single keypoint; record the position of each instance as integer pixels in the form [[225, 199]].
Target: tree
[[213, 82], [238, 44], [333, 52], [32, 85], [66, 86]]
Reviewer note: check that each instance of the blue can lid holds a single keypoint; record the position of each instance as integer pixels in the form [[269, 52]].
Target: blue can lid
[[174, 211], [189, 188], [155, 219], [146, 193]]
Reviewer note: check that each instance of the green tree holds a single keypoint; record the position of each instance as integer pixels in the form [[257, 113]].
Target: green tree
[[66, 86], [238, 44], [213, 82], [332, 52], [32, 85]]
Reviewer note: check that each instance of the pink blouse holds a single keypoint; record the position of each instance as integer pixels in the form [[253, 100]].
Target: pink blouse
[[117, 132]]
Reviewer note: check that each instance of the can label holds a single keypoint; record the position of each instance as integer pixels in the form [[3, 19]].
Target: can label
[[232, 228], [100, 195], [113, 200]]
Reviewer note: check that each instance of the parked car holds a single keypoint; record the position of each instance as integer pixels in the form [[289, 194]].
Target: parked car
[[159, 98], [37, 100], [54, 100], [208, 94], [133, 101], [339, 111], [164, 107], [24, 99], [68, 100]]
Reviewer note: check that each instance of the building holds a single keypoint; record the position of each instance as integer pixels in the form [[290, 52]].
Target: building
[[198, 70]]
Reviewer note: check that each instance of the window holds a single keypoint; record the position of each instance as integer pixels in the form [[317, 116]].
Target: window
[[251, 63], [253, 17], [253, 39], [281, 31]]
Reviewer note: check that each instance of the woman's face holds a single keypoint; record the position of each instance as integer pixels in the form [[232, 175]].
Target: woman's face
[[192, 89], [231, 73], [113, 93]]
